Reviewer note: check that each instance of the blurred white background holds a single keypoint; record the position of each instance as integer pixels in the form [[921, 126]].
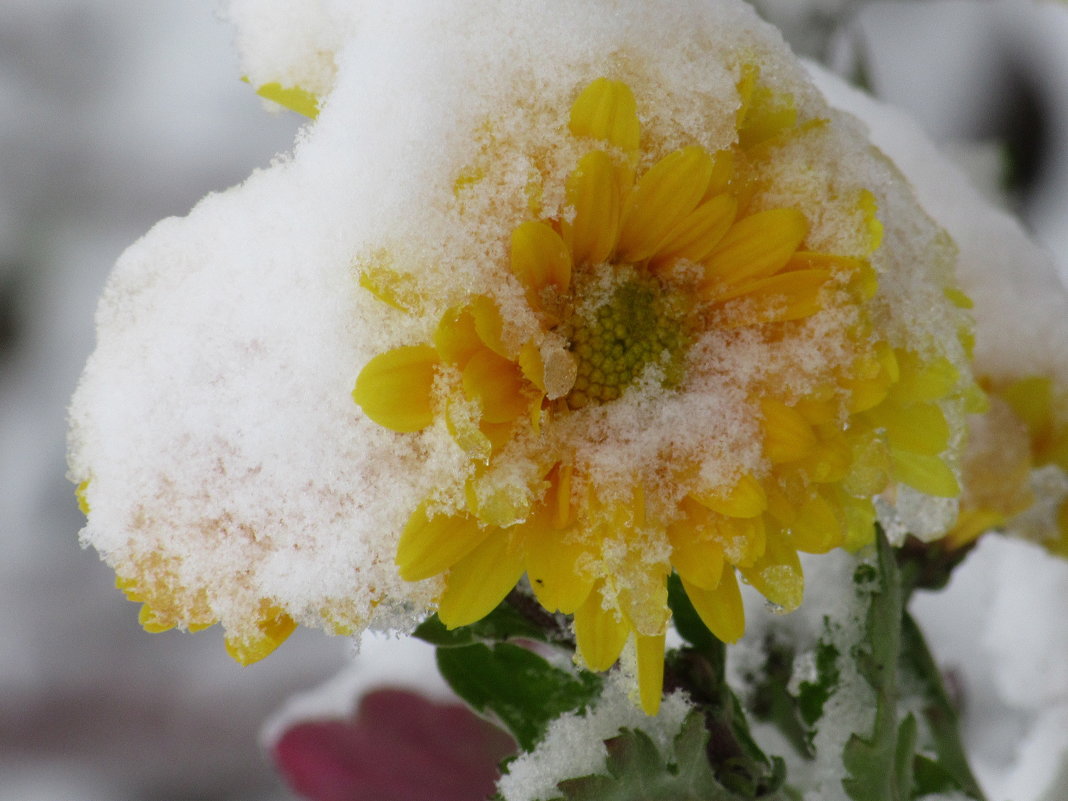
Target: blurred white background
[[114, 115]]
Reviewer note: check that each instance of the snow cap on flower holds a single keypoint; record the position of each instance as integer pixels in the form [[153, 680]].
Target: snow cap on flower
[[589, 295]]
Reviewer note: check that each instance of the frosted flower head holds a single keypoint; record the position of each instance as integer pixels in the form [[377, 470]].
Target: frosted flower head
[[615, 293], [1015, 465]]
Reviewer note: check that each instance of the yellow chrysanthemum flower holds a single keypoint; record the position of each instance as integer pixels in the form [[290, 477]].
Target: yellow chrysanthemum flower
[[1023, 433], [658, 259]]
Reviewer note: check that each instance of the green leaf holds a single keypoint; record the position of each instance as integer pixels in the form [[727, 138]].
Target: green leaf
[[948, 770], [879, 765], [812, 695], [517, 686], [517, 617], [636, 771]]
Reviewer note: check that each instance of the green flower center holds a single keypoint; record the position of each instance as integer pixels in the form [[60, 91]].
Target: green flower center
[[636, 327]]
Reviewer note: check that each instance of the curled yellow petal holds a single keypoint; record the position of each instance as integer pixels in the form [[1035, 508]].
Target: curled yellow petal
[[756, 246], [399, 290], [698, 233], [592, 191], [431, 545], [742, 539], [787, 435], [497, 384], [552, 559], [151, 622], [395, 388], [462, 418], [456, 339], [916, 427], [479, 581], [818, 527], [766, 114], [699, 561], [661, 201], [539, 258], [720, 608], [274, 628], [921, 380], [777, 574], [489, 324], [745, 499], [600, 633], [606, 110], [786, 296], [924, 472]]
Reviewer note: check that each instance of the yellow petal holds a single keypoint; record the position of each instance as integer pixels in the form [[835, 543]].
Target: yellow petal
[[561, 495], [539, 258], [869, 207], [860, 523], [600, 633], [722, 173], [497, 384], [1032, 401], [756, 246], [593, 193], [499, 503], [786, 296], [767, 114], [553, 557], [455, 338], [745, 499], [431, 545], [292, 97], [606, 110], [399, 290], [916, 427], [743, 540], [777, 574], [489, 324], [650, 651], [924, 380], [787, 435], [869, 470], [699, 232], [872, 376], [81, 494], [462, 420], [478, 582], [924, 472], [830, 460], [721, 608], [151, 622], [274, 630], [817, 528], [395, 388], [747, 84], [699, 562], [661, 201], [532, 365]]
